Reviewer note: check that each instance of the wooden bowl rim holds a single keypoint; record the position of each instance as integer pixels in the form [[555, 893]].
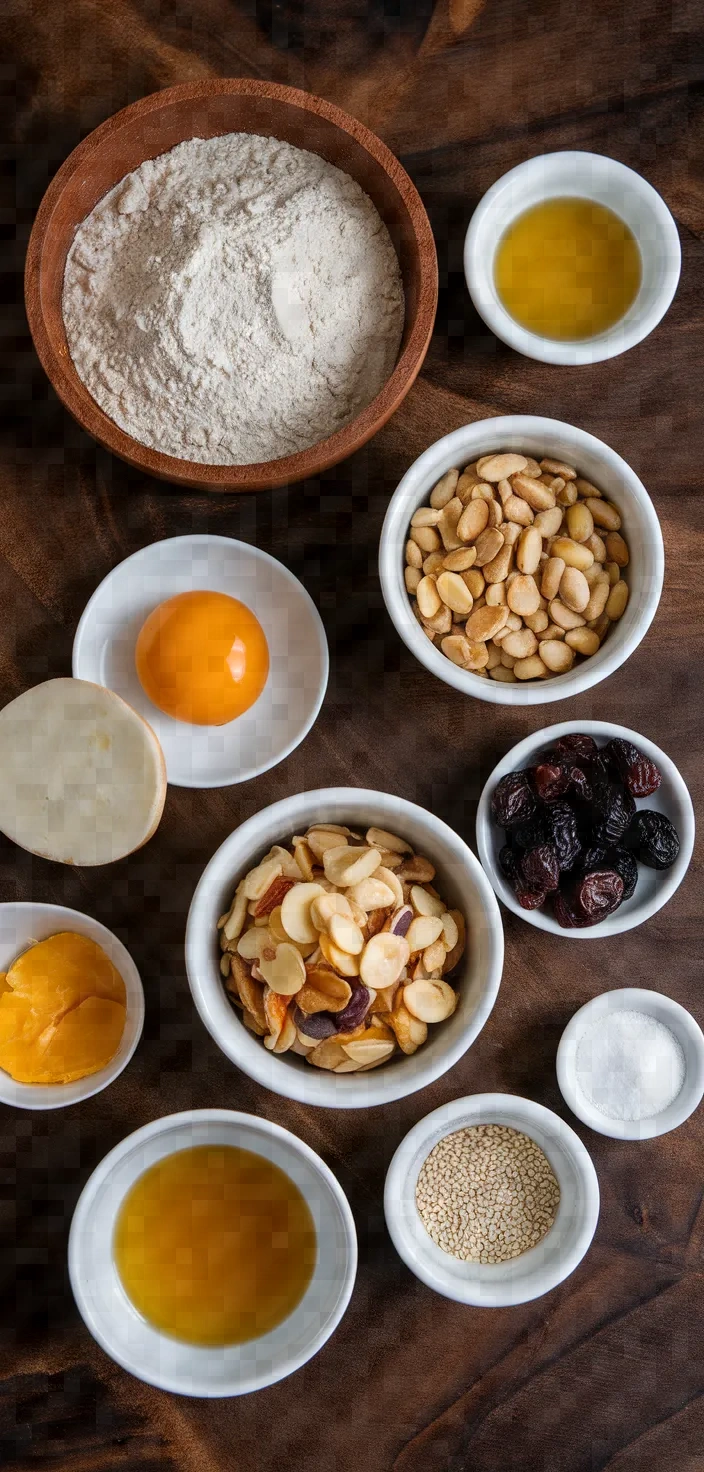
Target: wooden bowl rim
[[261, 475]]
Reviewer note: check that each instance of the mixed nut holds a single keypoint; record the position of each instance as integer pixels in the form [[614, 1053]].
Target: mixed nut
[[574, 835], [515, 567], [340, 949]]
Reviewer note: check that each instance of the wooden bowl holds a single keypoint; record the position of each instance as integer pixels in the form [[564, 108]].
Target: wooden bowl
[[207, 110]]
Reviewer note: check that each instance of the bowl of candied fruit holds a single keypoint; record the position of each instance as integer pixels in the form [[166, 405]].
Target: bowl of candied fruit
[[585, 829]]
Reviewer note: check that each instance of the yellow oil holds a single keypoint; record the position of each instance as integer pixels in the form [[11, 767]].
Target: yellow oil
[[568, 269], [214, 1245]]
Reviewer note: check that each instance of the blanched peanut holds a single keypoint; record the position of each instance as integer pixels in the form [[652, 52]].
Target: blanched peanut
[[586, 489], [538, 622], [475, 582], [593, 573], [564, 617], [596, 545], [616, 549], [447, 526], [444, 490], [482, 492], [508, 660], [613, 572], [412, 576], [532, 468], [500, 467], [519, 644], [532, 668], [498, 570], [484, 623], [604, 514], [504, 676], [552, 575], [478, 656], [557, 655], [553, 631], [574, 589], [460, 561], [549, 522], [597, 598], [473, 520], [514, 622], [585, 641], [455, 593], [456, 648], [567, 494], [426, 537], [466, 483], [601, 626], [617, 600], [495, 594], [414, 556], [528, 550], [488, 545], [580, 522], [433, 564], [496, 514], [511, 532], [494, 657], [575, 554], [558, 467], [505, 491], [425, 516], [538, 496], [517, 509], [429, 600], [523, 596], [441, 622]]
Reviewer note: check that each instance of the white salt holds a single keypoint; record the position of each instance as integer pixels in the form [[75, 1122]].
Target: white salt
[[629, 1065]]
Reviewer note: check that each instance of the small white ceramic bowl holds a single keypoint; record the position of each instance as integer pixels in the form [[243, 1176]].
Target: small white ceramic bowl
[[589, 176], [655, 887], [211, 756], [670, 1014], [189, 1369], [596, 462], [460, 880], [522, 1278], [25, 922]]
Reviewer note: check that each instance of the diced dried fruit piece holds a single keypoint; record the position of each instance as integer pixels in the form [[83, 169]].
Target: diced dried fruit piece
[[383, 959], [513, 799], [654, 839], [356, 1010], [286, 972], [257, 881], [639, 775], [315, 1026], [311, 999], [429, 1001], [566, 914], [540, 868]]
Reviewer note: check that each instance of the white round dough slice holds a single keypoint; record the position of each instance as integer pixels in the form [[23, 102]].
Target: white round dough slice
[[82, 776]]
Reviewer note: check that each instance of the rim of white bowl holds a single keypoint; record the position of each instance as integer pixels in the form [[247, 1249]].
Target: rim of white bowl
[[674, 1016], [168, 1122], [506, 199], [510, 432], [60, 1096], [305, 1084], [485, 1286], [619, 922], [83, 667]]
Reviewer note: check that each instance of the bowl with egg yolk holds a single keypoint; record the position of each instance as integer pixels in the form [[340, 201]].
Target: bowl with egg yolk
[[217, 645]]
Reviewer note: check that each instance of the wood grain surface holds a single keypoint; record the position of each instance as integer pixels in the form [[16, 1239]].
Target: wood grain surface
[[606, 1371]]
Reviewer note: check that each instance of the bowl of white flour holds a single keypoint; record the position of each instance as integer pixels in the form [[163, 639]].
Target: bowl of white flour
[[231, 284]]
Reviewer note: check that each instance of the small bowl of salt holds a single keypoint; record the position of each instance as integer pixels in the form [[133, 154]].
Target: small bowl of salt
[[631, 1064]]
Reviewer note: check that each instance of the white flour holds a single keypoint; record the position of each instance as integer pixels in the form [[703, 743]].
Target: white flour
[[234, 300]]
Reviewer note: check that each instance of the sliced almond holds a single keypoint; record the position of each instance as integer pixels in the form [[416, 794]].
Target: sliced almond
[[417, 870], [286, 972], [310, 1000], [422, 932], [450, 932], [257, 881], [383, 959], [410, 1031], [304, 858], [295, 912], [372, 894], [425, 903], [368, 1050], [429, 1001], [386, 876], [254, 942], [346, 935], [285, 1039], [234, 923], [324, 906], [347, 865], [345, 964], [434, 957], [327, 1054], [250, 992], [319, 840]]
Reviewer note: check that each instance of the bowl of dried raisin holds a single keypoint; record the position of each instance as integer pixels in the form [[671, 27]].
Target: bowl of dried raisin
[[585, 829]]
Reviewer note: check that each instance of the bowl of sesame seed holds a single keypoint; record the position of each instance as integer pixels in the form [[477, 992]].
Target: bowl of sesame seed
[[491, 1200]]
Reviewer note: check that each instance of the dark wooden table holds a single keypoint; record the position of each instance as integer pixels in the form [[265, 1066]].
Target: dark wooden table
[[606, 1371]]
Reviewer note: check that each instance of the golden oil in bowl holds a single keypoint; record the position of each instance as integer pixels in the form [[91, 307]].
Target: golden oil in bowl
[[214, 1245], [568, 269]]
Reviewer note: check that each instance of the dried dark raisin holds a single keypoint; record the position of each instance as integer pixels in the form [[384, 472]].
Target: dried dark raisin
[[625, 865], [576, 747], [530, 899], [508, 863], [654, 839], [597, 894], [564, 834], [550, 781], [594, 857], [513, 799], [540, 868], [580, 783], [530, 834], [613, 808], [565, 913], [639, 775]]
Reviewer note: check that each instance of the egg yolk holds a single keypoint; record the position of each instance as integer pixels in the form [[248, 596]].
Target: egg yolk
[[202, 658]]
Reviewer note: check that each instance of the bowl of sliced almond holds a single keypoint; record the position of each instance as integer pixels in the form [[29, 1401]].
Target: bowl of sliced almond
[[344, 947]]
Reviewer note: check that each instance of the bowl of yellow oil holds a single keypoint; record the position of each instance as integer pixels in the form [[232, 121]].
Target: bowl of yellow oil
[[572, 258], [212, 1253]]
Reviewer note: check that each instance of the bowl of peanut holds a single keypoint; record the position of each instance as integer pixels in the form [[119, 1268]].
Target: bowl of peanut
[[521, 560], [344, 947]]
